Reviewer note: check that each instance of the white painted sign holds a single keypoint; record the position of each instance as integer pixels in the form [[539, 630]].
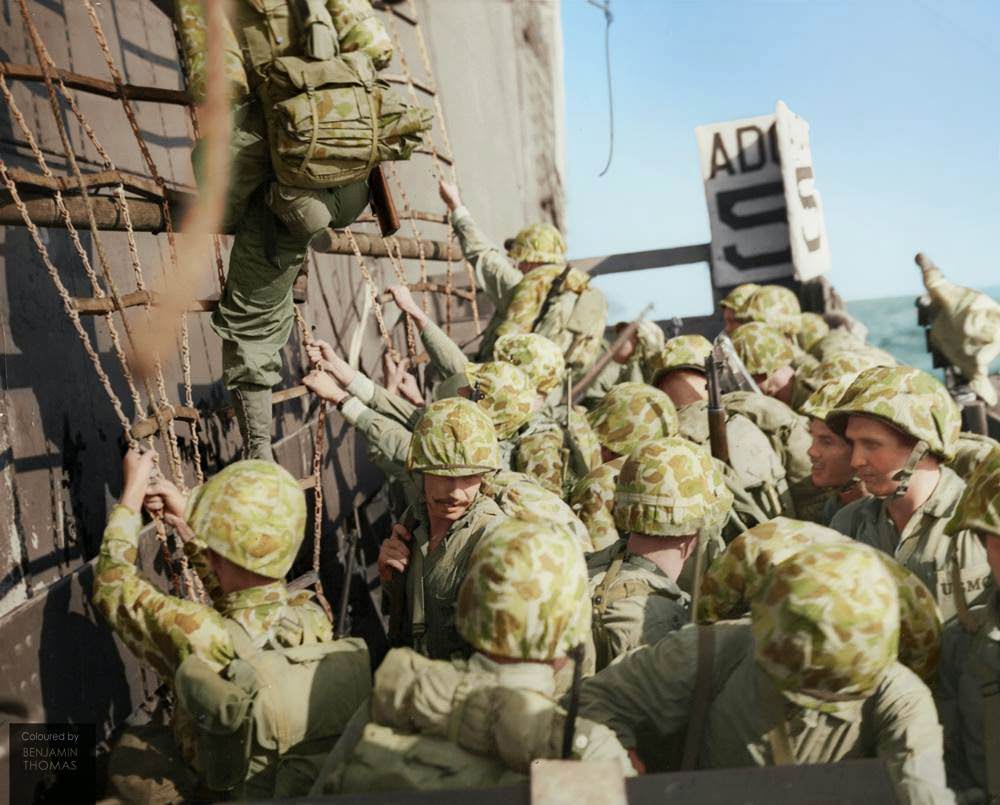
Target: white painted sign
[[806, 227], [752, 198]]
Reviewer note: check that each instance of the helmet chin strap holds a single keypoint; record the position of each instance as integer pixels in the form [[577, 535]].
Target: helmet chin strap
[[919, 450]]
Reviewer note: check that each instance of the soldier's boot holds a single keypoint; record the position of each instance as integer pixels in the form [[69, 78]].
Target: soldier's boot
[[253, 413]]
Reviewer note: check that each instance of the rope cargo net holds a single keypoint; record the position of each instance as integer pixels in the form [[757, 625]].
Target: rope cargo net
[[77, 207]]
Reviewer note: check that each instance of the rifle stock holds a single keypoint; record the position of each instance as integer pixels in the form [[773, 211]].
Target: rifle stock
[[345, 593], [383, 207]]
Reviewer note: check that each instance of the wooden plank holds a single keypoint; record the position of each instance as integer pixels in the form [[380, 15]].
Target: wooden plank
[[640, 261], [97, 86], [150, 426]]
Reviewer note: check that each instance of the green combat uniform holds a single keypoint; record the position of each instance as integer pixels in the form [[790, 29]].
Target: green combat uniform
[[918, 405], [968, 691], [811, 679], [293, 172], [453, 438], [434, 725], [629, 415], [253, 514], [666, 488], [574, 320]]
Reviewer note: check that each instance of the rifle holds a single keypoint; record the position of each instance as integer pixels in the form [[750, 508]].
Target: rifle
[[380, 199], [569, 727], [554, 290], [345, 593], [396, 590], [580, 388], [718, 438]]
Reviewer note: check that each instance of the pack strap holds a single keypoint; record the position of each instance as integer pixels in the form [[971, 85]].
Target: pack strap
[[600, 599], [701, 700]]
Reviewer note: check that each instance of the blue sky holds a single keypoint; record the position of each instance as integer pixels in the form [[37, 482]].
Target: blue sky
[[901, 96]]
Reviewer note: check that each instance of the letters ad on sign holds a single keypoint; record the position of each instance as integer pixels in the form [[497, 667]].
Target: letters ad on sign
[[746, 201], [806, 229]]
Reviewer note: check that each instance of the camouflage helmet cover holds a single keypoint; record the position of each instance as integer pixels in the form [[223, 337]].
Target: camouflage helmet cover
[[775, 306], [852, 363], [630, 414], [739, 296], [826, 625], [907, 399], [508, 395], [535, 355], [538, 243], [979, 508], [682, 352], [763, 349], [253, 513], [812, 327], [670, 487], [826, 397], [736, 577], [837, 340], [525, 593], [454, 437]]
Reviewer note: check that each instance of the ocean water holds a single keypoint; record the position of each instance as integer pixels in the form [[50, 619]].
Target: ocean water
[[892, 322]]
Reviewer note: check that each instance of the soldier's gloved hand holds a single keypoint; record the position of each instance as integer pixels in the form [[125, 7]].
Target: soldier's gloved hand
[[449, 195], [394, 553], [137, 467], [324, 386]]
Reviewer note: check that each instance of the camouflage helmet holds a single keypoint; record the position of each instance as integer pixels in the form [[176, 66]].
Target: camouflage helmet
[[907, 399], [630, 414], [520, 497], [535, 355], [739, 296], [826, 625], [826, 397], [508, 396], [538, 243], [670, 488], [852, 363], [812, 327], [524, 596], [775, 306], [979, 508], [682, 352], [837, 340], [762, 349], [253, 513], [454, 437], [736, 577]]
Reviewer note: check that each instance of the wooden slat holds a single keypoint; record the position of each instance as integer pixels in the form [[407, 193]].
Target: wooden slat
[[97, 86], [307, 483], [402, 79], [149, 426], [68, 184], [292, 393]]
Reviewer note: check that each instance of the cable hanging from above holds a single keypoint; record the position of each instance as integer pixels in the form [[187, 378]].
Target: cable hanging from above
[[605, 6]]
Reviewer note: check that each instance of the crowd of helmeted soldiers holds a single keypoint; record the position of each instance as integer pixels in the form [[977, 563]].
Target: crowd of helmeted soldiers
[[775, 548]]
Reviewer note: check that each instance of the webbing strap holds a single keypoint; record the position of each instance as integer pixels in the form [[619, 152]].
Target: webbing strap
[[600, 598], [702, 698], [773, 710]]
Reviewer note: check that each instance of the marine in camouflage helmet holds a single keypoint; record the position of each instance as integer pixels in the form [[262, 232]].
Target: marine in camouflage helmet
[[739, 296], [826, 625], [907, 399], [253, 513], [454, 438], [812, 327], [827, 397], [737, 576], [538, 243], [507, 395], [525, 593], [630, 414], [837, 340], [979, 508], [763, 349], [670, 488], [775, 306], [681, 352], [841, 364], [535, 355]]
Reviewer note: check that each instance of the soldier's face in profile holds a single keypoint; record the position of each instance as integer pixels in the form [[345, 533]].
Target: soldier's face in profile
[[729, 320], [449, 498], [878, 452], [830, 455]]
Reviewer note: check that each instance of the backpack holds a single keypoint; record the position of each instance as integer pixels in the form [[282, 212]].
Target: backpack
[[270, 706]]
